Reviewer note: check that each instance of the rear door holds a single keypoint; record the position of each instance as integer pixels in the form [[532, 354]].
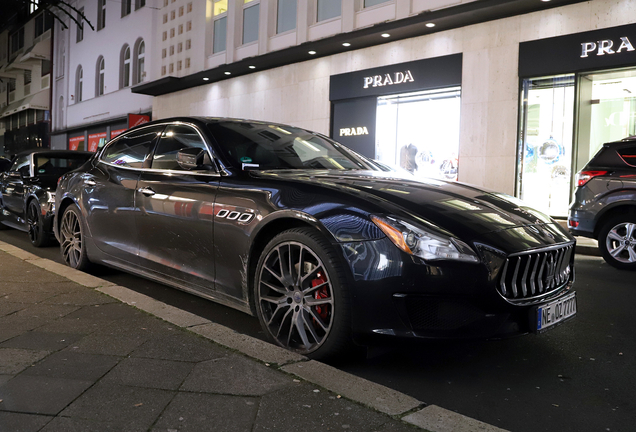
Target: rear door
[[176, 210], [110, 192], [13, 186]]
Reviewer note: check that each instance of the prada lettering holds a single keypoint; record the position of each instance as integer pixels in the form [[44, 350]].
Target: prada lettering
[[388, 79], [605, 46], [354, 131]]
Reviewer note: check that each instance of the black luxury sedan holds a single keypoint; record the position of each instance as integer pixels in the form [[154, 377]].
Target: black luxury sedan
[[604, 205], [318, 242], [27, 190]]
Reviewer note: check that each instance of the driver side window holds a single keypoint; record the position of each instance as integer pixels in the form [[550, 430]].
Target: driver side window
[[174, 139], [22, 165], [132, 149]]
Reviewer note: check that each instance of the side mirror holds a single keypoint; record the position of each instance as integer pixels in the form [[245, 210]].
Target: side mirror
[[193, 158]]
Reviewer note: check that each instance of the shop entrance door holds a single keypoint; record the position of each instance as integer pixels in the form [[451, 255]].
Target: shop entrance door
[[419, 132], [545, 143], [607, 111]]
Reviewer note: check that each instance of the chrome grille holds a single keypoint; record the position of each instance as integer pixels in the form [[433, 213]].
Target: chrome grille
[[535, 274]]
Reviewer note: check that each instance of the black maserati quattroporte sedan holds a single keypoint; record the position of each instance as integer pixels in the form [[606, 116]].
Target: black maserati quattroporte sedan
[[318, 242], [27, 190]]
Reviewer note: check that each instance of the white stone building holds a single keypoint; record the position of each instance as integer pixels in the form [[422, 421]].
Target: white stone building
[[94, 71]]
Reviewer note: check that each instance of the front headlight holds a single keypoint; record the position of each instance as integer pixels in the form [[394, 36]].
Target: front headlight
[[423, 243]]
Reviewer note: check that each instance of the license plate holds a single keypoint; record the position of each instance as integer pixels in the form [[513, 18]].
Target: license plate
[[556, 312]]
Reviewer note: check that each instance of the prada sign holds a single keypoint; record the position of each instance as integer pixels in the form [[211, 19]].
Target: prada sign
[[417, 75], [580, 52], [604, 47], [354, 131], [388, 79]]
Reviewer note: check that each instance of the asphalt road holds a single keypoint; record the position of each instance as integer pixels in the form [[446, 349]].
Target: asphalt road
[[580, 376]]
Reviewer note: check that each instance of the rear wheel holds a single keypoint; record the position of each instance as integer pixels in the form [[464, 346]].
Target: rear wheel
[[35, 225], [301, 295], [72, 242], [617, 242]]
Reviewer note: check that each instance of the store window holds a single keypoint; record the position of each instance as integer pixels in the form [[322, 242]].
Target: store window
[[419, 132], [250, 21], [286, 16], [607, 111], [328, 9], [545, 143]]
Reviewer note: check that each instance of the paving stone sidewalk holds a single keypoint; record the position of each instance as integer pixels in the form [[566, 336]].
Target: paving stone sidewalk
[[74, 359]]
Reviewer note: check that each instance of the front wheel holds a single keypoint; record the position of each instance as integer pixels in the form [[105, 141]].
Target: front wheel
[[72, 239], [617, 242], [301, 295], [35, 225]]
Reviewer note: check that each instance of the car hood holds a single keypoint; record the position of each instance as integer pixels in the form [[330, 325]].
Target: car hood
[[465, 211]]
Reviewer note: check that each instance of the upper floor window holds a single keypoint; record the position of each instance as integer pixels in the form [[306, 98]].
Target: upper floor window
[[369, 3], [33, 5], [141, 62], [79, 83], [80, 26], [220, 26], [139, 4], [125, 67], [100, 77], [17, 40], [125, 7], [328, 9], [250, 21], [286, 16], [101, 14], [43, 22]]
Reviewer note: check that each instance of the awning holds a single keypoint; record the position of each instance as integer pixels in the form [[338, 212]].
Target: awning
[[39, 51], [39, 100]]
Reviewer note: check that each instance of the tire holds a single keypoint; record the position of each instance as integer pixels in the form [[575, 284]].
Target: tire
[[617, 242], [72, 244], [306, 311], [35, 225]]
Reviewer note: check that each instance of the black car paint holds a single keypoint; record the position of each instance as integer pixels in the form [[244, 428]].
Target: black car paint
[[17, 191], [192, 248]]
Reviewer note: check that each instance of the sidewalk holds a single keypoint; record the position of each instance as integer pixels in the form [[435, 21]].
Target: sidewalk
[[75, 357]]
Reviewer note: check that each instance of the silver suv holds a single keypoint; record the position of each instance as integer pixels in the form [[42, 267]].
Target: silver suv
[[604, 205]]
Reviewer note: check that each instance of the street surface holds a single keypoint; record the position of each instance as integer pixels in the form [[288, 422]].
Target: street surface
[[577, 377]]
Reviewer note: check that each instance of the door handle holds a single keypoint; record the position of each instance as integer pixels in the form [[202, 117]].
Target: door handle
[[146, 191]]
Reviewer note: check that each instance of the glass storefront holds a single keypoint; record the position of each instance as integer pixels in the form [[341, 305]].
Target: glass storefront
[[545, 143], [419, 132]]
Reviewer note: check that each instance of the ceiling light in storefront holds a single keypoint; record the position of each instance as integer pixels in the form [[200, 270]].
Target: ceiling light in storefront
[[206, 79], [347, 44], [430, 25], [385, 35], [228, 73], [312, 52], [252, 67], [545, 0]]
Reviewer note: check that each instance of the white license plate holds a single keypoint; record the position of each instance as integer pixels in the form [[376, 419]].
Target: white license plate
[[555, 312]]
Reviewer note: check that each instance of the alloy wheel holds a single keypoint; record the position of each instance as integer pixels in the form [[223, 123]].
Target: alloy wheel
[[295, 296], [33, 222], [621, 242], [71, 236]]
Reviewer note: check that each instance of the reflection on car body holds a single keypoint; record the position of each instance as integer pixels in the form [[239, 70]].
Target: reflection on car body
[[326, 247]]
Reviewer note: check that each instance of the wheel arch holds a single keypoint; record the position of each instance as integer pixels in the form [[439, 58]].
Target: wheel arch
[[609, 213], [66, 201]]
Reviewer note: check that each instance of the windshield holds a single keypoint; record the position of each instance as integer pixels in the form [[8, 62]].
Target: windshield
[[253, 145], [54, 165]]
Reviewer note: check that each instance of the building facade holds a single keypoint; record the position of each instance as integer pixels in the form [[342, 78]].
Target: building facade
[[25, 79], [95, 68]]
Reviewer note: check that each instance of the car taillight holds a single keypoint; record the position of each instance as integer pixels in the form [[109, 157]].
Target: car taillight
[[59, 180], [582, 177]]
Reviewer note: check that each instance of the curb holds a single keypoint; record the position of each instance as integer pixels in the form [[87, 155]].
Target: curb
[[375, 396]]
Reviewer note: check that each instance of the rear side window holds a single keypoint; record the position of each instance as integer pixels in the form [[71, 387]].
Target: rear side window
[[56, 165], [174, 139], [132, 149], [628, 154]]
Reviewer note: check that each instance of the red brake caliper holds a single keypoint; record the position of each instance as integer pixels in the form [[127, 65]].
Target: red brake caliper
[[321, 293]]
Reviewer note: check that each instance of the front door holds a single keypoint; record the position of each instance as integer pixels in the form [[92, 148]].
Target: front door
[[175, 212], [13, 188]]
